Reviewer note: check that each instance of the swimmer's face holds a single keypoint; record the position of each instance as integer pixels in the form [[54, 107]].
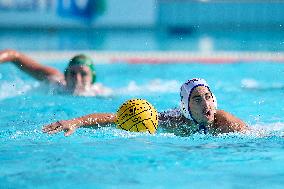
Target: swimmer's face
[[78, 79], [201, 105]]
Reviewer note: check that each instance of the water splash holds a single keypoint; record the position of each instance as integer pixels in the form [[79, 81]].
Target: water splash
[[106, 133], [19, 87], [253, 84], [15, 88], [153, 86]]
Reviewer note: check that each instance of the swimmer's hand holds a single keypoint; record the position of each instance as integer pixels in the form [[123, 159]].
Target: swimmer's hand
[[70, 126], [7, 55], [67, 126]]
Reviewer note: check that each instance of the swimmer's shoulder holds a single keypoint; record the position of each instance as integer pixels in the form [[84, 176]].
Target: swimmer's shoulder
[[57, 79], [56, 84], [226, 122]]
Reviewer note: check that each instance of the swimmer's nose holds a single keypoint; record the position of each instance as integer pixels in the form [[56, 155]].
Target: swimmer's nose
[[79, 84], [78, 78], [206, 104]]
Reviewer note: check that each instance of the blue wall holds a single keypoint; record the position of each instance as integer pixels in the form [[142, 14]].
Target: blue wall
[[144, 13], [221, 13], [45, 13]]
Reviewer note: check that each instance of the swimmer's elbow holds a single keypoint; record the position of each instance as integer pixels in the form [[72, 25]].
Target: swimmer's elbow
[[239, 126]]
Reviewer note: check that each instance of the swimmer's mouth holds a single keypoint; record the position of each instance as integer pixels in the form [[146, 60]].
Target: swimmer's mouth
[[207, 113]]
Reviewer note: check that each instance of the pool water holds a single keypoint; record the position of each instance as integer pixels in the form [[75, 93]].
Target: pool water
[[233, 39], [112, 158]]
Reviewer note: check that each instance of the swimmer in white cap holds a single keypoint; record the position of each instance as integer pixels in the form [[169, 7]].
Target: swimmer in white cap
[[198, 113], [79, 77]]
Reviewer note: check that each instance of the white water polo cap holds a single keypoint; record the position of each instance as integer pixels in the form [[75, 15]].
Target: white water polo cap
[[185, 92]]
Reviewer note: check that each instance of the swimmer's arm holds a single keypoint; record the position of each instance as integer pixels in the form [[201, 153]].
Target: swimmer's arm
[[28, 65], [69, 126], [170, 122], [226, 122]]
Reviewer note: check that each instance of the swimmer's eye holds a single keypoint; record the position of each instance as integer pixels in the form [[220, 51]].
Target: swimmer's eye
[[208, 97], [72, 73], [197, 100], [84, 74]]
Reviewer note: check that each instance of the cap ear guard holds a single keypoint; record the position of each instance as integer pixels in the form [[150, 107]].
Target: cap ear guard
[[184, 94], [215, 100], [93, 71]]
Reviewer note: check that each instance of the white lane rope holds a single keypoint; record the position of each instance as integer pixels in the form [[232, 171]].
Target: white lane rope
[[215, 57]]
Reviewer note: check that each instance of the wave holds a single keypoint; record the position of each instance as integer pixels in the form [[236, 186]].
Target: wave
[[15, 88], [253, 84], [263, 130], [153, 86], [20, 87]]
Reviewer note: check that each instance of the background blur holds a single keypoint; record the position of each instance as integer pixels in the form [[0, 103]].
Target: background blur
[[196, 25]]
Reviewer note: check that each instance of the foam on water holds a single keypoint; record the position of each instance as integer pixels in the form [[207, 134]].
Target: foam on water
[[153, 86], [14, 88], [20, 87], [254, 84], [110, 132]]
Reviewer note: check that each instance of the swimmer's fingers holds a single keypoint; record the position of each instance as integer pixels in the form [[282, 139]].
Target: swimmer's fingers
[[55, 131], [69, 132], [53, 128], [69, 129], [59, 126], [50, 127]]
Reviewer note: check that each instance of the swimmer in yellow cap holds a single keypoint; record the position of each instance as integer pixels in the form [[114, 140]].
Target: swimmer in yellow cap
[[79, 77], [198, 113]]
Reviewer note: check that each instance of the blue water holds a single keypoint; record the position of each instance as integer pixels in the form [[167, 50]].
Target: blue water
[[112, 158]]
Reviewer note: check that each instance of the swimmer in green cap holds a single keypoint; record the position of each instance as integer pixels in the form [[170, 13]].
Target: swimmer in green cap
[[79, 77]]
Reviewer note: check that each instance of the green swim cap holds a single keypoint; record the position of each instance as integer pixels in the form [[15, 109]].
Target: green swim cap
[[83, 60]]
